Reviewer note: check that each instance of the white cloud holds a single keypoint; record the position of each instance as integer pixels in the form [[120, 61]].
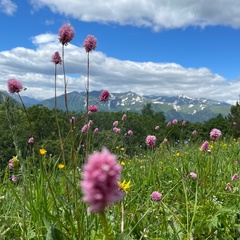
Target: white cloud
[[8, 7], [157, 14], [35, 70]]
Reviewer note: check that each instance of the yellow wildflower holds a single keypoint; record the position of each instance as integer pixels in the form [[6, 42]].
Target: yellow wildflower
[[122, 163], [177, 154], [124, 186], [122, 149], [60, 166], [42, 151]]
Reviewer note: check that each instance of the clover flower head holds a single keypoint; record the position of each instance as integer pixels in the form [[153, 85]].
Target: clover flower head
[[90, 43], [66, 34], [235, 177], [151, 141], [56, 59], [156, 196], [215, 134], [100, 186], [31, 140], [14, 86], [192, 175]]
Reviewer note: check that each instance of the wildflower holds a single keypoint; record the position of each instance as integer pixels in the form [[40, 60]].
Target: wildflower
[[228, 187], [72, 120], [56, 58], [124, 185], [14, 86], [42, 151], [10, 165], [116, 130], [234, 123], [100, 176], [122, 163], [104, 96], [164, 140], [66, 34], [192, 175], [235, 177], [85, 128], [124, 117], [194, 132], [95, 130], [122, 149], [175, 121], [31, 140], [177, 154], [13, 163], [215, 134], [93, 108], [205, 146], [169, 124], [61, 166], [184, 123], [156, 128], [151, 141], [90, 43], [130, 132], [90, 123], [14, 178], [115, 124], [156, 196]]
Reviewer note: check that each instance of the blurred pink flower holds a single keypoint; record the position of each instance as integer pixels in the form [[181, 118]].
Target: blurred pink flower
[[14, 178], [164, 140], [100, 186], [10, 165], [215, 134], [151, 141], [56, 58], [175, 121], [66, 34], [72, 120], [90, 43], [14, 86], [169, 124], [192, 175], [156, 128], [156, 196], [205, 146], [116, 130], [124, 117], [31, 140], [194, 132], [130, 132], [115, 124], [228, 187], [184, 123], [104, 96], [85, 128], [235, 177], [234, 123], [95, 130], [93, 108], [90, 123]]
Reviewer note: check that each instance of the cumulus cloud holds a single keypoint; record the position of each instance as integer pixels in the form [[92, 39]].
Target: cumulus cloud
[[8, 7], [164, 14], [36, 71]]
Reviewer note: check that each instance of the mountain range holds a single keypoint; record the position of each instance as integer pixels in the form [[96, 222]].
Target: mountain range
[[180, 107]]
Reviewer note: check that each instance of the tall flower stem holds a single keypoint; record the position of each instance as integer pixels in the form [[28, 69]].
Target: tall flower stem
[[65, 81], [105, 226]]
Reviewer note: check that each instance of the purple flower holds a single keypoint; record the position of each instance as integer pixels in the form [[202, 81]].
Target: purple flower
[[116, 130], [104, 96], [194, 132], [205, 146], [156, 128], [56, 58], [175, 121], [31, 140], [14, 86], [100, 176], [192, 175], [215, 134], [151, 141], [156, 196], [235, 177], [165, 140], [72, 120], [184, 123], [169, 124], [228, 187], [66, 34], [130, 132], [95, 130], [124, 117], [14, 178], [10, 165], [90, 43], [115, 124], [93, 108], [90, 123], [85, 128]]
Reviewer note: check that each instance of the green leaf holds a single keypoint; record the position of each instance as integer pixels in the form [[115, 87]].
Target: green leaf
[[54, 233]]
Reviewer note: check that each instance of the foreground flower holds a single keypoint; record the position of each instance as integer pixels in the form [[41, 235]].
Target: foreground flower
[[104, 96], [93, 108], [124, 185], [151, 141], [56, 58], [156, 196], [192, 175], [205, 146], [235, 177], [100, 176], [215, 134], [14, 86], [42, 151], [66, 34], [90, 43]]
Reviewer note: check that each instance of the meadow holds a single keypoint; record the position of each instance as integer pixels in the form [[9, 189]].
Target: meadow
[[184, 189]]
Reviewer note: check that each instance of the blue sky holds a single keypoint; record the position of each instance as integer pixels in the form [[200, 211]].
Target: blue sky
[[160, 47]]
